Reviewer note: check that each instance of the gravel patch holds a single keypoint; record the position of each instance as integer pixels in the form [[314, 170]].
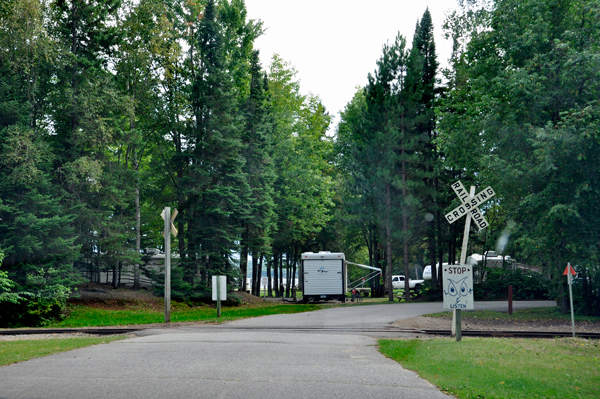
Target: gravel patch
[[20, 337]]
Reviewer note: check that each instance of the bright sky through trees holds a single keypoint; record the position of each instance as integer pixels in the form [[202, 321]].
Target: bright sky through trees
[[334, 43]]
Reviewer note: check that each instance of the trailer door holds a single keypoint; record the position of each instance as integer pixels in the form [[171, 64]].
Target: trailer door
[[323, 277]]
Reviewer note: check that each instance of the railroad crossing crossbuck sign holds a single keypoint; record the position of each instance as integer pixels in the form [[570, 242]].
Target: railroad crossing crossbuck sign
[[164, 214], [470, 205]]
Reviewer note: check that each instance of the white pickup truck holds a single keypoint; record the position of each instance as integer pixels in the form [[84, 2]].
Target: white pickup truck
[[414, 285]]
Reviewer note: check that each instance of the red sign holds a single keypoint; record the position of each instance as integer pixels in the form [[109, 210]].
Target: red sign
[[569, 269]]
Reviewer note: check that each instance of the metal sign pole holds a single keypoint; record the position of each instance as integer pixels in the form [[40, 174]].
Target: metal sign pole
[[167, 218], [169, 228], [570, 281]]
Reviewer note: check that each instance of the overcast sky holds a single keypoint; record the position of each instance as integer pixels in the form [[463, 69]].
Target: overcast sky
[[334, 44]]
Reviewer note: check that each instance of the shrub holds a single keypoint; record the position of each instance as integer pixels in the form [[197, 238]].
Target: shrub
[[30, 309], [527, 285]]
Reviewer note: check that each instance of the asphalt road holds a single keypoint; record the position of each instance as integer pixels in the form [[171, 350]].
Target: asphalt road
[[241, 359]]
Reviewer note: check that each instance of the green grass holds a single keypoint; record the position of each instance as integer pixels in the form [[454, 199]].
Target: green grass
[[20, 351], [503, 368], [83, 316], [523, 314]]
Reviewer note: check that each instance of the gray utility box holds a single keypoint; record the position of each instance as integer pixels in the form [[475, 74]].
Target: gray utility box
[[324, 276]]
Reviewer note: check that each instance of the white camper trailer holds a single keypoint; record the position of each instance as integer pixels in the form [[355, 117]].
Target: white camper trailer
[[324, 275], [490, 259]]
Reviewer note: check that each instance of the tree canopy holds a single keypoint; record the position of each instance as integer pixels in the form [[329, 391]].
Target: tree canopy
[[112, 110]]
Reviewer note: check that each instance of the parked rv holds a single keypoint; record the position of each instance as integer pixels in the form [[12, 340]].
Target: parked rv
[[427, 271], [324, 276], [490, 259]]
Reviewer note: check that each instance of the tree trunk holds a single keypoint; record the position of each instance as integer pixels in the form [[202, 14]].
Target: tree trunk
[[191, 261], [120, 273], [293, 278], [435, 277], [257, 265], [98, 271], [115, 276], [255, 276], [377, 263], [287, 275], [244, 261], [405, 227], [138, 223], [276, 273], [388, 237], [281, 291], [269, 283]]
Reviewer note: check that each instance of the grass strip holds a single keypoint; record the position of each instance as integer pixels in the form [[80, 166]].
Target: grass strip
[[503, 368], [83, 316], [531, 314], [20, 351]]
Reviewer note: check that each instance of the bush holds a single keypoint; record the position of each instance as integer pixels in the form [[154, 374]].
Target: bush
[[6, 286], [31, 309], [586, 291], [527, 285]]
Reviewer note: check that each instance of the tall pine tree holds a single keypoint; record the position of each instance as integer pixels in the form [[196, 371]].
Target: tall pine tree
[[259, 169], [217, 187]]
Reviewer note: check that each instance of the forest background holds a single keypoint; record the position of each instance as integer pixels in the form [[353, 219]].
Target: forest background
[[111, 110]]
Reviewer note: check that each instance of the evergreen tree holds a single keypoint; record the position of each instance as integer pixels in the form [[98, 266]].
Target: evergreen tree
[[36, 230], [259, 169], [88, 32], [86, 112], [381, 143], [217, 187], [387, 143], [424, 69], [358, 201], [147, 41]]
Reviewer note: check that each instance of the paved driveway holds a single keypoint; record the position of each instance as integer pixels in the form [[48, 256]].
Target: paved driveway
[[235, 360]]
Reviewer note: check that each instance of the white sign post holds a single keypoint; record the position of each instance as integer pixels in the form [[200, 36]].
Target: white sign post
[[219, 291], [570, 272], [264, 283], [169, 228], [458, 280]]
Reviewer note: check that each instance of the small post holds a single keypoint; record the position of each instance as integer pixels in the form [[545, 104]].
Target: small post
[[510, 308], [570, 281], [458, 315], [219, 291], [167, 218]]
